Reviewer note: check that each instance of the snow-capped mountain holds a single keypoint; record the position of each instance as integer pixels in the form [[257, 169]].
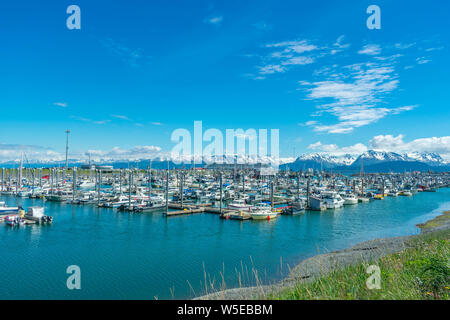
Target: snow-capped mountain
[[370, 157], [373, 157], [328, 160], [430, 158]]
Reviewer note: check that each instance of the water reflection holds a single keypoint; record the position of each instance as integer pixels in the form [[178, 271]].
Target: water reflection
[[146, 254]]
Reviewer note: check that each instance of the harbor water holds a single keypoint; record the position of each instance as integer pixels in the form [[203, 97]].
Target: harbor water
[[149, 255]]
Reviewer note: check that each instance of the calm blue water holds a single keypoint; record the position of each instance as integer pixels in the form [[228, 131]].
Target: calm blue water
[[144, 256]]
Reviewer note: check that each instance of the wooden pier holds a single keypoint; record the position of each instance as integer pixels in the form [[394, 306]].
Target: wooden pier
[[185, 211], [205, 208]]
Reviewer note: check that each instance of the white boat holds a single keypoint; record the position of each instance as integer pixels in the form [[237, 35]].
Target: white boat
[[239, 204], [24, 193], [332, 200], [86, 185], [4, 208], [150, 205], [350, 199], [262, 211], [59, 196], [116, 202]]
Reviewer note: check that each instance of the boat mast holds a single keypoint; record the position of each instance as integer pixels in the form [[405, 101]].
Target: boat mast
[[361, 176], [67, 148], [19, 182]]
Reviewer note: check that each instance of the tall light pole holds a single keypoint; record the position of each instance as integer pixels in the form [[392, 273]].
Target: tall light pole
[[67, 147]]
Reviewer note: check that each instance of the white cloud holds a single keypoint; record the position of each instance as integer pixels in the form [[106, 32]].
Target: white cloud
[[403, 46], [60, 104], [286, 54], [354, 95], [119, 116], [389, 143], [132, 57], [101, 121], [335, 150], [422, 60], [392, 143], [117, 153], [13, 152], [214, 20], [298, 46], [338, 46], [272, 68], [434, 49], [298, 61], [370, 49]]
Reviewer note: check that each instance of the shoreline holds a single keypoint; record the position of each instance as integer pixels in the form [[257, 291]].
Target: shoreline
[[319, 265]]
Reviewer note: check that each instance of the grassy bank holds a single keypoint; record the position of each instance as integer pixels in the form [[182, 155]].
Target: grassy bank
[[421, 271], [443, 219]]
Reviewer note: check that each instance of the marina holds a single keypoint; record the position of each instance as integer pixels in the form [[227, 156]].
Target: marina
[[158, 232]]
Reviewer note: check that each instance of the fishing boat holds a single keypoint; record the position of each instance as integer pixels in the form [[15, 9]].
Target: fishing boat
[[59, 196], [116, 202], [378, 197], [151, 205], [295, 208], [262, 211], [332, 200], [37, 214], [239, 204], [350, 199]]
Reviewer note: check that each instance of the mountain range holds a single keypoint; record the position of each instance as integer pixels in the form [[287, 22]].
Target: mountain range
[[371, 161], [372, 157]]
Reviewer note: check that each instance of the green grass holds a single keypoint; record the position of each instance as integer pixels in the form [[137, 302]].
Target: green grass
[[420, 272]]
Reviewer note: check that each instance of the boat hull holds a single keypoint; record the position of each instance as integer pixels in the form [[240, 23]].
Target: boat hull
[[269, 216]]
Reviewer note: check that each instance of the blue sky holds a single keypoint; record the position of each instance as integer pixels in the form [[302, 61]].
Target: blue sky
[[137, 70]]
